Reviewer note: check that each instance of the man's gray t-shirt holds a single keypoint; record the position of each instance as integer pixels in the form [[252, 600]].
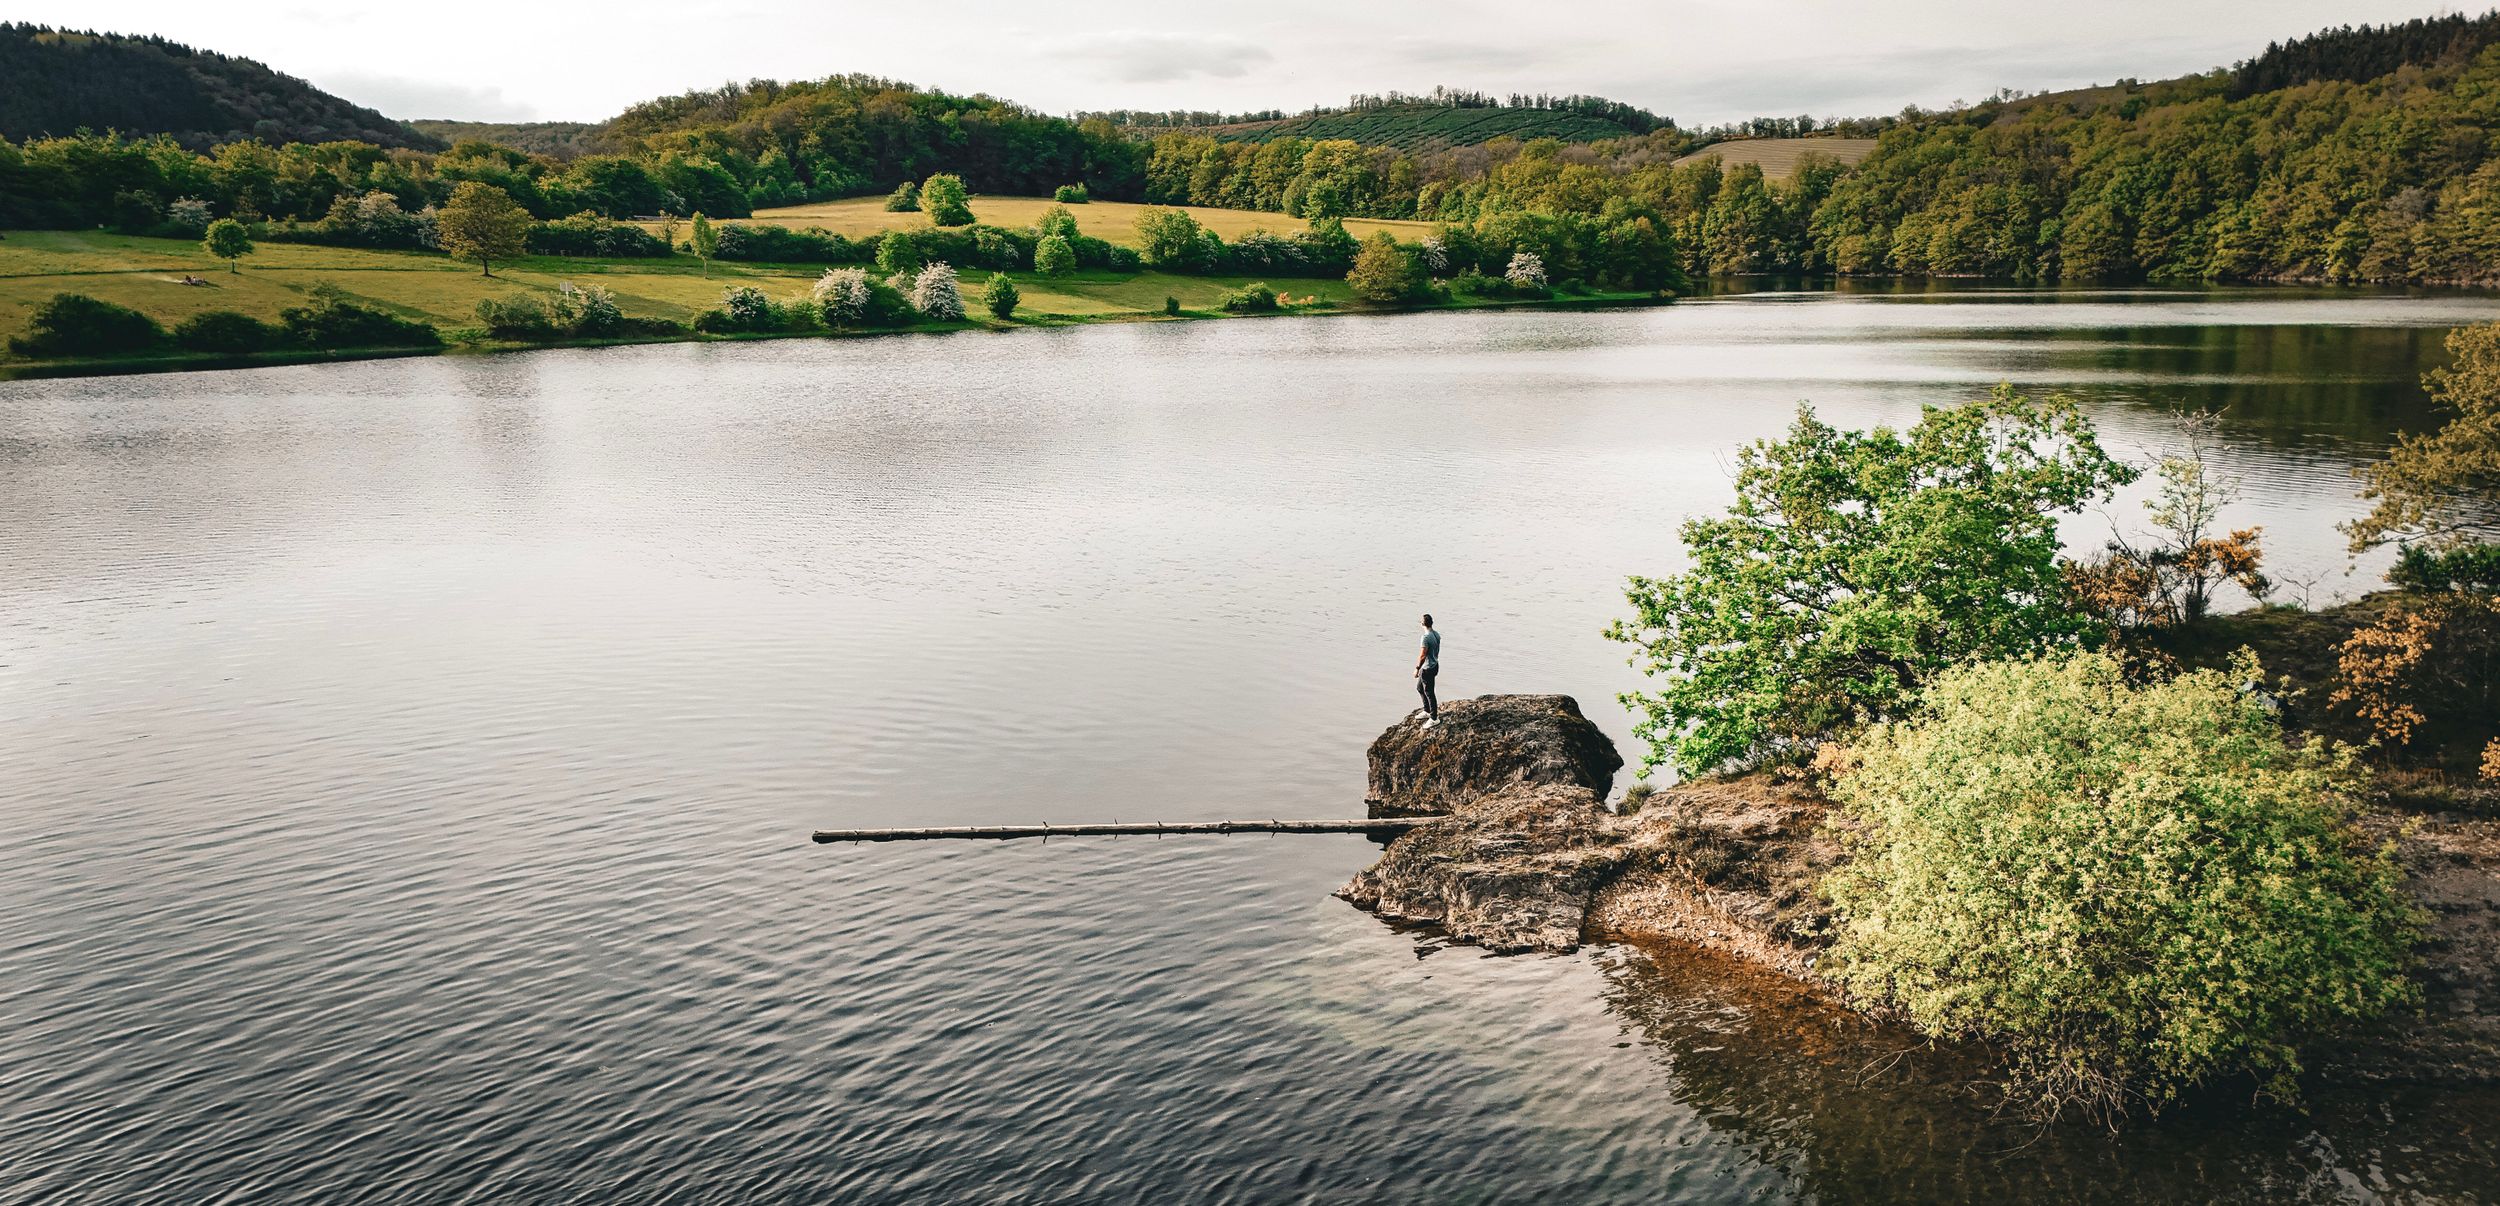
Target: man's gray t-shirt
[[1432, 650]]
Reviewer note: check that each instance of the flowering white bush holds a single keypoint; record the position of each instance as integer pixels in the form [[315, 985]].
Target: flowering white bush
[[1527, 270], [189, 213], [1436, 255], [935, 294], [748, 307], [589, 309], [843, 292]]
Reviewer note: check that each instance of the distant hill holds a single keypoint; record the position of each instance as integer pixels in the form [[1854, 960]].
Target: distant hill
[[562, 139], [62, 81], [1416, 127], [1779, 157]]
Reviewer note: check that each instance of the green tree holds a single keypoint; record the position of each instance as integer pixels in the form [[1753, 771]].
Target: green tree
[[1055, 220], [1384, 271], [1854, 565], [705, 239], [1052, 256], [1170, 239], [1000, 296], [2129, 889], [904, 199], [2440, 487], [944, 198], [481, 222], [229, 241]]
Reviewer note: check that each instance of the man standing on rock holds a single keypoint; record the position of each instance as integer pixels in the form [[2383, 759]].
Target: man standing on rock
[[1427, 668]]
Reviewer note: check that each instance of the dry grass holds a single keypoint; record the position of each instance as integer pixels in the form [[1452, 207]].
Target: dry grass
[[1112, 221], [1780, 157]]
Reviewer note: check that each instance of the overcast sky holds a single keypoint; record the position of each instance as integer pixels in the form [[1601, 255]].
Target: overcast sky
[[1698, 61]]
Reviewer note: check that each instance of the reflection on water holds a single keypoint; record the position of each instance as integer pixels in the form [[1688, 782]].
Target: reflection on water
[[405, 767]]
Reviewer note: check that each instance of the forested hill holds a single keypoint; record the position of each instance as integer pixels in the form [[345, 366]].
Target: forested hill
[[2365, 53], [61, 81], [562, 139]]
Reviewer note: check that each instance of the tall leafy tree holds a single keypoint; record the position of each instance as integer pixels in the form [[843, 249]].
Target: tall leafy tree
[[482, 222], [228, 240], [1854, 565]]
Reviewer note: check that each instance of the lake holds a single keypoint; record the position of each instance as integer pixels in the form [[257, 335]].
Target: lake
[[407, 766]]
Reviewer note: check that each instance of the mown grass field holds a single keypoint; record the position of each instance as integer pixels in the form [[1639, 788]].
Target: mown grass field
[[1110, 221], [146, 274], [1779, 157]]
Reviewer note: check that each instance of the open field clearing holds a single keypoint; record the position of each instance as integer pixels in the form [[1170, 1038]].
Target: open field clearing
[[1111, 221], [146, 275], [1779, 157]]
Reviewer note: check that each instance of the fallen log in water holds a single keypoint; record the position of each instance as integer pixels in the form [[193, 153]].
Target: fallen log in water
[[1117, 828]]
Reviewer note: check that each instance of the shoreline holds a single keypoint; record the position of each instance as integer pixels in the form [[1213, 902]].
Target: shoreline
[[12, 369]]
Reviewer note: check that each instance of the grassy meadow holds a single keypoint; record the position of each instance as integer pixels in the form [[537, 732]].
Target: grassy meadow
[[146, 275], [1779, 157], [1110, 221]]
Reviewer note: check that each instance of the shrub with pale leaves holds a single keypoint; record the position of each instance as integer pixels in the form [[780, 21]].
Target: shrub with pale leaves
[[2127, 889], [1436, 255], [1526, 270], [189, 214], [844, 293], [592, 310], [935, 293]]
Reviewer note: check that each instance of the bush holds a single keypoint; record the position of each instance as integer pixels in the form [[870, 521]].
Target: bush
[[226, 333], [1250, 299], [1526, 271], [1053, 257], [782, 245], [520, 318], [905, 199], [588, 233], [2131, 889], [1055, 220], [1070, 194], [935, 294], [743, 310], [1000, 297], [944, 198], [74, 324], [1171, 240], [189, 217], [1854, 565], [592, 308], [1172, 306], [330, 322], [1385, 272], [904, 251], [2471, 568]]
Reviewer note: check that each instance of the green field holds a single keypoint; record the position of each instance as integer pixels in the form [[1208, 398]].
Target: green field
[[146, 275], [1111, 221]]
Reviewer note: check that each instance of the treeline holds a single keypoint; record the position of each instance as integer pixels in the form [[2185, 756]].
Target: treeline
[[852, 134], [61, 81], [1632, 118], [2394, 179], [2354, 54], [724, 153]]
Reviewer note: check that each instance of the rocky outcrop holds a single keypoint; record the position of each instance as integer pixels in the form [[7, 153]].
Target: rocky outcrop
[[1485, 747], [1509, 872], [1531, 859]]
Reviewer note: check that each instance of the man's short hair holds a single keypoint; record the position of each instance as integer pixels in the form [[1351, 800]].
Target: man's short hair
[[1427, 619]]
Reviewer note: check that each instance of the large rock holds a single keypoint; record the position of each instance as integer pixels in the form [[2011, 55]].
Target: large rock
[[1488, 746], [1508, 872]]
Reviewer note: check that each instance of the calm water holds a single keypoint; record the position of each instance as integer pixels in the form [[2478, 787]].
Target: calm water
[[406, 767]]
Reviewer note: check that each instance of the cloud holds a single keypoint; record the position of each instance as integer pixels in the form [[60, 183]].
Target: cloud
[[1456, 55], [405, 98], [1131, 57]]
